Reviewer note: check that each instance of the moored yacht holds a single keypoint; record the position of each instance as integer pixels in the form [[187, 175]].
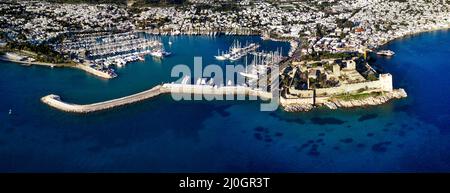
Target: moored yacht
[[386, 53], [236, 51], [159, 53]]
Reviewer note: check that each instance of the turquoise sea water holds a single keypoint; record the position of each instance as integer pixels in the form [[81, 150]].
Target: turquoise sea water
[[161, 135]]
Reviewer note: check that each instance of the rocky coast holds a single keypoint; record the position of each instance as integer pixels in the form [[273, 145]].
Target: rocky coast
[[335, 103], [369, 101]]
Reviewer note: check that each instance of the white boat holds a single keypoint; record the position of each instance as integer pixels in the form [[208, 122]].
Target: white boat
[[211, 81], [170, 43], [157, 53], [186, 80], [386, 53], [120, 62], [253, 76], [203, 82], [235, 57], [10, 112], [220, 57], [237, 51]]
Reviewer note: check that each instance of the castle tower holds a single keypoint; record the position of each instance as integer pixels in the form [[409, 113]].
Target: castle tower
[[351, 65], [307, 82], [336, 70], [386, 82]]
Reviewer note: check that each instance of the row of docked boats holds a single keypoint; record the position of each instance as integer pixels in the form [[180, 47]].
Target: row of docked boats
[[128, 46], [122, 59], [186, 80], [236, 51], [260, 66], [159, 53], [104, 64], [103, 52]]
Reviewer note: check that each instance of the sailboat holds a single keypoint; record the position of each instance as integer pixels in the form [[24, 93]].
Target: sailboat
[[220, 56], [246, 74]]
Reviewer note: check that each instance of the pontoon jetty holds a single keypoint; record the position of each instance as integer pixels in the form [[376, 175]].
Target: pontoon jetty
[[101, 51], [236, 51]]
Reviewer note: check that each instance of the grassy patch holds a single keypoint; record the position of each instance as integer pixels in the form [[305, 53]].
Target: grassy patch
[[358, 96], [41, 52]]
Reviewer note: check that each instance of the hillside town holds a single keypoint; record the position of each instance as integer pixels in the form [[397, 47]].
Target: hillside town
[[38, 21], [323, 25]]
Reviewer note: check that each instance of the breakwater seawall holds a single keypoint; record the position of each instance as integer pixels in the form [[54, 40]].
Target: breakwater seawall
[[55, 101]]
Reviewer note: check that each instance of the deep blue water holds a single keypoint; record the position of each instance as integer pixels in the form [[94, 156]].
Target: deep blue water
[[161, 135]]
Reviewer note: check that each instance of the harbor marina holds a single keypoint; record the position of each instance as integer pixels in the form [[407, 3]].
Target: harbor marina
[[103, 51], [236, 51]]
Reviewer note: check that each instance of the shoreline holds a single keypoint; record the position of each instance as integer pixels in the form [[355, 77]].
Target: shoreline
[[370, 101], [334, 103], [413, 34], [59, 65], [216, 33], [104, 75], [29, 63], [199, 32], [232, 33]]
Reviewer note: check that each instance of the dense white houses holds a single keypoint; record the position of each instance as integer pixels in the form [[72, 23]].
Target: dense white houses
[[39, 21], [322, 25]]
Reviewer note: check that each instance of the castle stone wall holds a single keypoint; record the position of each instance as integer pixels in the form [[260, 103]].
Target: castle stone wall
[[384, 83]]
